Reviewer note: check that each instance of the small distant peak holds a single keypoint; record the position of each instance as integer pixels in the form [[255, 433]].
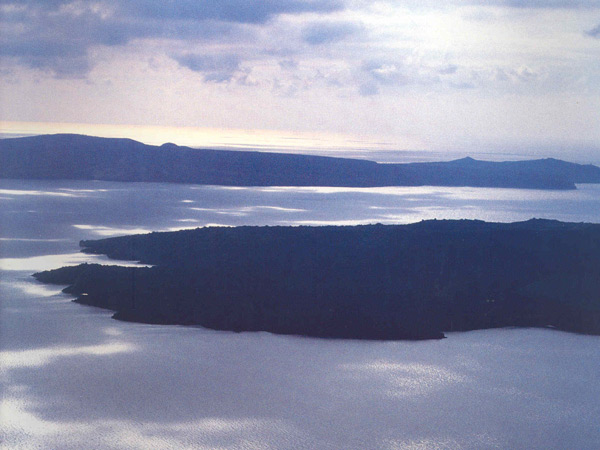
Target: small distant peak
[[544, 223], [466, 159], [169, 145]]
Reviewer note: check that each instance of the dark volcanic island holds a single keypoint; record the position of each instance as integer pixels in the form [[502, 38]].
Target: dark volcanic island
[[366, 282]]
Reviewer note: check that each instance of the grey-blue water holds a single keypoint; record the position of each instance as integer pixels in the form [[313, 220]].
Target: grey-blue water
[[73, 378]]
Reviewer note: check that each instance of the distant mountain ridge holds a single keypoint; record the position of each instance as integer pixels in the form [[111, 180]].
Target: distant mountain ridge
[[79, 157]]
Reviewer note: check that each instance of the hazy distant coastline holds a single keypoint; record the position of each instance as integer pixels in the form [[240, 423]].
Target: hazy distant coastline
[[91, 158]]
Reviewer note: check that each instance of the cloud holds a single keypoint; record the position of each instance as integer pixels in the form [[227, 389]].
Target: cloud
[[543, 3], [448, 69], [594, 32], [329, 32], [522, 74], [240, 11], [368, 89], [348, 45], [288, 64], [216, 68], [462, 85], [385, 72], [376, 73], [43, 38], [58, 35], [548, 4]]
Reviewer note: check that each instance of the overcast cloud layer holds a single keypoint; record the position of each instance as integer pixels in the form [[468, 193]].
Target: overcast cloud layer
[[518, 73]]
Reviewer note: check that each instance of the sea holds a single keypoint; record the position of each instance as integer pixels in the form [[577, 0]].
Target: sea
[[71, 377]]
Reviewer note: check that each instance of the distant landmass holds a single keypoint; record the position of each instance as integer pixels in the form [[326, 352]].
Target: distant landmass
[[68, 156], [366, 282]]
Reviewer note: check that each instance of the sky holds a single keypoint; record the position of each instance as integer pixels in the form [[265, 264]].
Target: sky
[[479, 76]]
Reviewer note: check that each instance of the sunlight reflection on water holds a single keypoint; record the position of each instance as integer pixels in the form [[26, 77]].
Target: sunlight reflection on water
[[71, 378], [43, 356]]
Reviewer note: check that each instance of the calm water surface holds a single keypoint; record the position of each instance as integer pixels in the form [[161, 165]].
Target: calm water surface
[[70, 377]]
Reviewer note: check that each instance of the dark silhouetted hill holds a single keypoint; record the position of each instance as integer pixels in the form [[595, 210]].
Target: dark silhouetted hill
[[65, 156], [368, 282]]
